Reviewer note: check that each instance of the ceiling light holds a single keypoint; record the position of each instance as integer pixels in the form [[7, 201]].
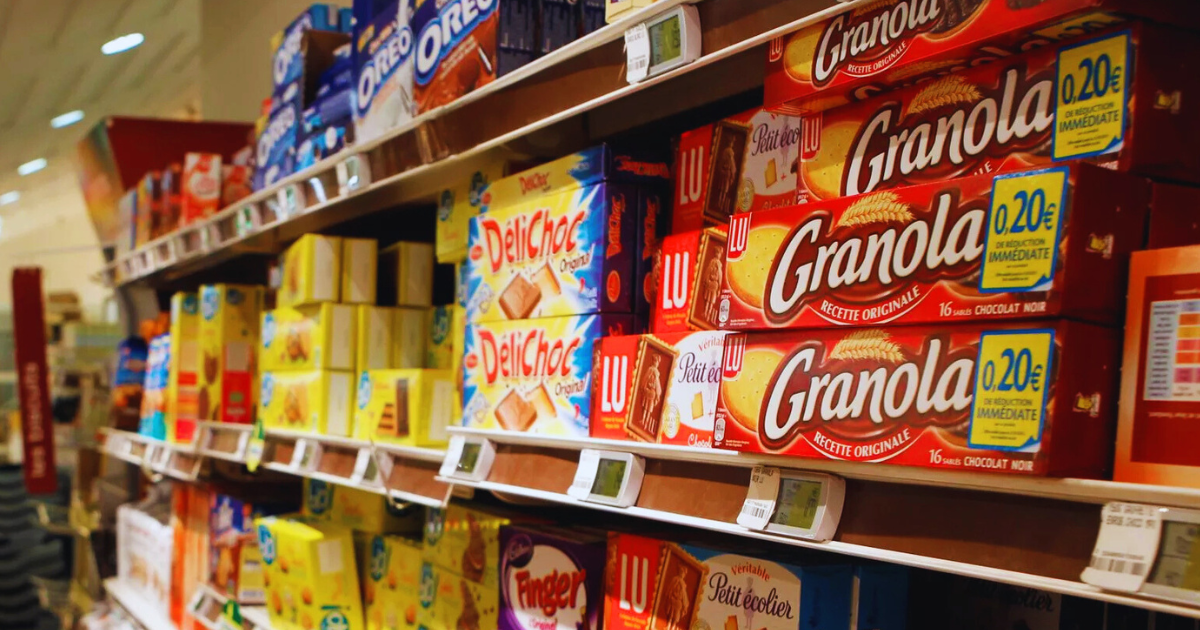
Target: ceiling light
[[122, 43], [32, 166], [9, 197], [69, 118]]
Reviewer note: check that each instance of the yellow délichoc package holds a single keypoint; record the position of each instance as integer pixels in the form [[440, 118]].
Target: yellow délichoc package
[[311, 576], [391, 579], [229, 328], [406, 274], [182, 392], [374, 328], [317, 337], [411, 407], [311, 271], [408, 338], [311, 401], [359, 259]]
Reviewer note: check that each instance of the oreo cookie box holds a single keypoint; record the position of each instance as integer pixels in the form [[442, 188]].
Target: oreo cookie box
[[551, 580], [383, 70]]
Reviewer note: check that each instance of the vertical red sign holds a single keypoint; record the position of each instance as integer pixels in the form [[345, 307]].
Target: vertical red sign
[[37, 428]]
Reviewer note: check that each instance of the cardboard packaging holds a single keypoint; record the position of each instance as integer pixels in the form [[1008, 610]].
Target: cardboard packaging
[[359, 510], [690, 278], [288, 58], [658, 388], [463, 45], [275, 145], [374, 330], [126, 233], [1034, 398], [653, 226], [941, 600], [149, 208], [1009, 115], [200, 191], [229, 332], [1160, 379], [534, 375], [1173, 220], [617, 9], [456, 206], [359, 273], [742, 163], [552, 578], [850, 56], [311, 271], [144, 555], [309, 401], [153, 423], [406, 274], [310, 575], [327, 125], [235, 567], [559, 24], [466, 542], [411, 407], [881, 596], [182, 391], [391, 580], [440, 347], [383, 74], [171, 207], [966, 249], [235, 183], [636, 595], [452, 601], [318, 337], [410, 338]]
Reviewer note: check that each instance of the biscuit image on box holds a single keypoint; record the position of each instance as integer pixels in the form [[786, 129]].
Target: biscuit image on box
[[515, 413], [519, 298], [680, 583], [725, 171], [710, 270], [697, 406], [651, 388], [543, 403], [772, 173], [402, 408], [387, 420], [547, 281]]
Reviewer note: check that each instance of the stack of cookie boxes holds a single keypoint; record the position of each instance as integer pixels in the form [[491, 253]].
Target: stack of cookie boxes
[[554, 262], [954, 317]]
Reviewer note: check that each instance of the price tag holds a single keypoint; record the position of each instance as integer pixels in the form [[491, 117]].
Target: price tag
[[164, 457], [197, 602], [298, 454], [468, 459], [1125, 548], [245, 219], [608, 477], [637, 53], [759, 506], [231, 617], [353, 173], [291, 201], [383, 462], [1023, 231], [252, 445], [1011, 374], [1093, 90], [361, 463]]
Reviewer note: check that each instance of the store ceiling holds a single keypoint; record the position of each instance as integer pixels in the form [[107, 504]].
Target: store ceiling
[[50, 63]]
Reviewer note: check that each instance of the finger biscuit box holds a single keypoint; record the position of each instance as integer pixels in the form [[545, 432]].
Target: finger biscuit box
[[1030, 110], [692, 268], [309, 401], [1035, 398], [229, 333], [551, 578], [462, 45], [411, 407], [1035, 243], [742, 163], [882, 45], [659, 388], [319, 337], [184, 353], [534, 375]]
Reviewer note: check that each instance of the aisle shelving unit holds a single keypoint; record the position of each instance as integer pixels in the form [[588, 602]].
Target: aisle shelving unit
[[137, 606]]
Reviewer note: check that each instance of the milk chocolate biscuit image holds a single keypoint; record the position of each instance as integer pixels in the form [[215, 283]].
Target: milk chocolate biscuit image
[[202, 404], [547, 281], [680, 582], [725, 170], [519, 298], [387, 420], [469, 619], [211, 364], [297, 346], [474, 558], [956, 12], [651, 388], [710, 270], [402, 407], [515, 413], [543, 403]]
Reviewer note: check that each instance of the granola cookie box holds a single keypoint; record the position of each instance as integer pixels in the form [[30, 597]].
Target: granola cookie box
[[1052, 241], [550, 580], [1031, 398], [881, 45], [1125, 97]]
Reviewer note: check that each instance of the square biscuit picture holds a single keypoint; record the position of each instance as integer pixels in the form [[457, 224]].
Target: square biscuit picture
[[514, 413], [710, 271], [681, 580], [547, 281], [519, 298], [402, 407], [651, 388], [543, 403], [725, 170]]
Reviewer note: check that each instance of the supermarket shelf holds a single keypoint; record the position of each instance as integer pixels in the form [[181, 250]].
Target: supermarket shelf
[[137, 606], [577, 90], [257, 616], [176, 460]]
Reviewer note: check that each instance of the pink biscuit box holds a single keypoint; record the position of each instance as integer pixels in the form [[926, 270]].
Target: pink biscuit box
[[201, 190]]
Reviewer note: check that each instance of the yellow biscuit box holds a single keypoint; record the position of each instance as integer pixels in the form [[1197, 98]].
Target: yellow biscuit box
[[391, 579], [182, 391], [311, 270], [373, 329], [456, 206], [359, 260], [406, 275], [311, 577], [229, 328], [318, 337], [410, 407], [439, 351], [408, 338], [450, 601], [466, 542], [310, 401], [356, 509]]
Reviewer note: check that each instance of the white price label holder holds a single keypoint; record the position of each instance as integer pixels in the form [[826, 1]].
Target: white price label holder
[[353, 173], [1126, 548], [300, 457], [608, 477], [468, 459], [292, 201], [793, 503], [362, 464], [663, 43]]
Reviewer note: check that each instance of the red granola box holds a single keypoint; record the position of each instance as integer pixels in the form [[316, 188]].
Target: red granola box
[[1133, 110], [742, 163], [883, 45], [1036, 398], [658, 388], [1035, 243], [690, 277]]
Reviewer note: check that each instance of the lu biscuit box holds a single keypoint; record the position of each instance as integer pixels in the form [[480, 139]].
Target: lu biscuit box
[[449, 600], [1041, 242], [658, 388], [742, 163], [312, 401], [690, 279], [406, 274], [885, 45], [411, 407], [182, 391], [359, 270], [391, 578], [651, 584], [456, 206], [229, 329], [550, 579], [1032, 398], [311, 271], [1029, 110], [534, 375], [318, 337], [383, 61], [311, 576]]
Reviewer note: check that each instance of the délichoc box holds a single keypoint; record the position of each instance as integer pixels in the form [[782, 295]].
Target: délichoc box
[[1047, 242], [1031, 398]]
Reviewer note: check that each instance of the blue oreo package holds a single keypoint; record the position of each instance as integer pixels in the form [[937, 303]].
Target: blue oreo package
[[383, 67], [287, 62]]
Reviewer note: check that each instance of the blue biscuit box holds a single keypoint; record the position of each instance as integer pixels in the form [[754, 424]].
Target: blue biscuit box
[[287, 62]]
